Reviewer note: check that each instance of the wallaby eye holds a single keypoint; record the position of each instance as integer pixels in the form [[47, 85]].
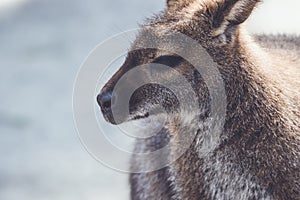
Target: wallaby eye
[[166, 60]]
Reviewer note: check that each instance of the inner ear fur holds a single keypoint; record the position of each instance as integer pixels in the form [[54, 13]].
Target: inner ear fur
[[229, 13], [225, 13]]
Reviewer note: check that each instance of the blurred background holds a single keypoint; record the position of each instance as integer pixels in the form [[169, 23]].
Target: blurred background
[[42, 45]]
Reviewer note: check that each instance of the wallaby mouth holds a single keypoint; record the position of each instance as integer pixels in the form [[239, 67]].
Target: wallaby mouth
[[117, 114], [148, 100]]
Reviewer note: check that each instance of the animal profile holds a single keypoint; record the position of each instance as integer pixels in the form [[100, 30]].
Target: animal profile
[[257, 154]]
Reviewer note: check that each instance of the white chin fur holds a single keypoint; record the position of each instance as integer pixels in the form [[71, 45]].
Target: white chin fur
[[149, 126]]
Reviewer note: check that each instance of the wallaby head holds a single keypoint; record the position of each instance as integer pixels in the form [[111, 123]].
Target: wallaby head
[[214, 24]]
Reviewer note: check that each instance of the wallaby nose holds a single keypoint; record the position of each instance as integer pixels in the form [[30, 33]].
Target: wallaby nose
[[104, 100]]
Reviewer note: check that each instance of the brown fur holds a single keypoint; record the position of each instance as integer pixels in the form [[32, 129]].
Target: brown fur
[[258, 155]]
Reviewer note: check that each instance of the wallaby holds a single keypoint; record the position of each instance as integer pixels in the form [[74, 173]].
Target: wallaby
[[258, 153]]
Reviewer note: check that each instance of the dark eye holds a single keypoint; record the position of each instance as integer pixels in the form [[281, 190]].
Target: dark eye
[[168, 60]]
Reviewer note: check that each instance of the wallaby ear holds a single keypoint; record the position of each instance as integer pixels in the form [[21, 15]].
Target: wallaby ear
[[231, 13]]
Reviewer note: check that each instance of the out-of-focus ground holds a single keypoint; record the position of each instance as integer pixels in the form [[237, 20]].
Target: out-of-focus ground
[[42, 45]]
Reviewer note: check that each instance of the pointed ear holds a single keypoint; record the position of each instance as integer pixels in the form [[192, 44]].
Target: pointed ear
[[231, 13]]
